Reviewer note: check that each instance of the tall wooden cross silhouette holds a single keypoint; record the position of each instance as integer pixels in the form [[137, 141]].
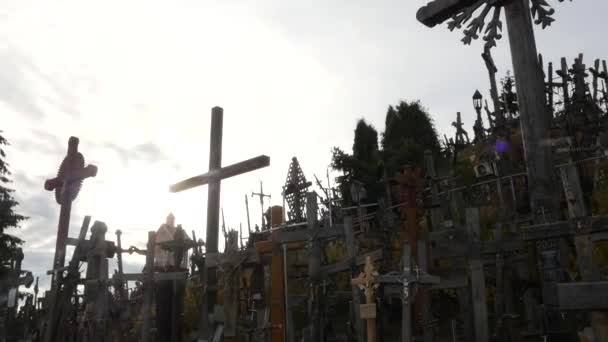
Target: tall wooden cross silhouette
[[66, 185], [213, 179], [534, 114]]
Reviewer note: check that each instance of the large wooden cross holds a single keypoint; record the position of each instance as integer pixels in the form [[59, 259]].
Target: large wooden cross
[[213, 179], [66, 186], [534, 115]]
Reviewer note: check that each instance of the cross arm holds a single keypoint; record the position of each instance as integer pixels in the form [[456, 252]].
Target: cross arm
[[438, 11], [223, 173], [86, 172]]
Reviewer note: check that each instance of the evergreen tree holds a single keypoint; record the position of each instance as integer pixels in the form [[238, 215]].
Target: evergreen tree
[[409, 132], [8, 218], [362, 165]]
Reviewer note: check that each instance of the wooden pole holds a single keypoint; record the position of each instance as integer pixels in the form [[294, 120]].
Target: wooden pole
[[534, 117], [148, 288], [213, 214], [314, 265], [406, 308], [352, 250]]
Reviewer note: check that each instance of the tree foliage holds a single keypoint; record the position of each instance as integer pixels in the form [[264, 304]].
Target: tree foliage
[[8, 217], [408, 133], [362, 165]]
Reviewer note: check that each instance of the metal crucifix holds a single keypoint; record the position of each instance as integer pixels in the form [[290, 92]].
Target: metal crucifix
[[213, 179]]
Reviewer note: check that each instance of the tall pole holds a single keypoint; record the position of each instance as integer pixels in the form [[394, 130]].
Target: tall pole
[[329, 199], [534, 116], [248, 221], [213, 213]]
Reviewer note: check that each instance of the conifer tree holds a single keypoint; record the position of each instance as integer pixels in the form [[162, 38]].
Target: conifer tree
[[8, 217]]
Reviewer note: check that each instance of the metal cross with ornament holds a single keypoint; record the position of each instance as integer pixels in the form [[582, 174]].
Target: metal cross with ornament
[[367, 282], [410, 279], [66, 185]]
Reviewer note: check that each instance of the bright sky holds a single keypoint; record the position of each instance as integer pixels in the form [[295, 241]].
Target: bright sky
[[136, 81]]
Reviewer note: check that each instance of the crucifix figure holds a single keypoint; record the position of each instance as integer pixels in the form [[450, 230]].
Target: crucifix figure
[[461, 133], [410, 279], [534, 117], [367, 281], [66, 185], [261, 194], [213, 179]]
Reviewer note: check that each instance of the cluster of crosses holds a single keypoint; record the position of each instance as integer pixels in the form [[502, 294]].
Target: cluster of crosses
[[248, 293]]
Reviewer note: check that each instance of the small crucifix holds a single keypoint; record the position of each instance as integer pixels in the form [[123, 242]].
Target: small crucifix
[[213, 179], [261, 194], [66, 185], [367, 281]]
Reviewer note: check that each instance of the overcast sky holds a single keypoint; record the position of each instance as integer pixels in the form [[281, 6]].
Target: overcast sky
[[136, 81]]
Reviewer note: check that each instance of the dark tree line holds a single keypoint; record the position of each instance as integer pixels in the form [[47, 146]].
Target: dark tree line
[[409, 131]]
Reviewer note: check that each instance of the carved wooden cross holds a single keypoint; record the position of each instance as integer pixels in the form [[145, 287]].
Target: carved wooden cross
[[66, 186], [213, 178], [367, 281]]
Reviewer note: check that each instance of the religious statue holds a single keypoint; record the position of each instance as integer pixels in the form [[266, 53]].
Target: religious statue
[[169, 293]]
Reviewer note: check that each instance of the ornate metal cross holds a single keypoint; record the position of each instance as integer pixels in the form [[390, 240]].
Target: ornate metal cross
[[66, 185]]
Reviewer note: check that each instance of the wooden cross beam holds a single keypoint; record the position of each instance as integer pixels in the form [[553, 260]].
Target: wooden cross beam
[[438, 11], [213, 179]]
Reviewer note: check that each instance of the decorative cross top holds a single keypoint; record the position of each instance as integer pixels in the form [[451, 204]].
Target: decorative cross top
[[72, 171], [367, 280], [461, 11]]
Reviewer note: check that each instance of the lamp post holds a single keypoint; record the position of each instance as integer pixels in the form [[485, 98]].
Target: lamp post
[[478, 127]]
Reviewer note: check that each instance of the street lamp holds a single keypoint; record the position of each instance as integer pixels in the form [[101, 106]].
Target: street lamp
[[477, 101]]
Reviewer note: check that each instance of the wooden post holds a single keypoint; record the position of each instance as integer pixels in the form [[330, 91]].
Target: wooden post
[[424, 292], [148, 288], [231, 288], [57, 298], [406, 304], [352, 250], [534, 117], [478, 286], [314, 266]]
